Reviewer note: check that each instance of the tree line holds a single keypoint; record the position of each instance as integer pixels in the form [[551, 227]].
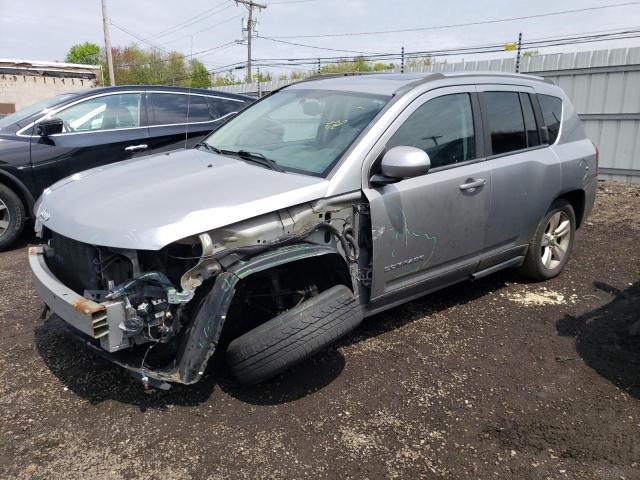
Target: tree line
[[136, 66]]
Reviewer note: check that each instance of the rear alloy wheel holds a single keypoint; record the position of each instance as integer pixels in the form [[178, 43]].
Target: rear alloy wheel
[[555, 240], [551, 245], [12, 217]]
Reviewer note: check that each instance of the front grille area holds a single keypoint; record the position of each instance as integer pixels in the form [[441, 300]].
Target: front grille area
[[74, 263]]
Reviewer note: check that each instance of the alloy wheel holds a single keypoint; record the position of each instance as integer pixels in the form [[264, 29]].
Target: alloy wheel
[[5, 217], [555, 240]]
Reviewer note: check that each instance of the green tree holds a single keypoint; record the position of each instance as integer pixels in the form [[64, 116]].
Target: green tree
[[200, 77], [86, 53]]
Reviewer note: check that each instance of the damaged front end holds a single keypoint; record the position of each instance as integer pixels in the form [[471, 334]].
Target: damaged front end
[[160, 314]]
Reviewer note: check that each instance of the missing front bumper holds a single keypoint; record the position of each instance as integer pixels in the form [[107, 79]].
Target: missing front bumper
[[97, 323]]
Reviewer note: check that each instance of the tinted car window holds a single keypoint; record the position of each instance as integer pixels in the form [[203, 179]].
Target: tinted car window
[[171, 108], [102, 113], [442, 127], [533, 137], [222, 107], [551, 114], [505, 122]]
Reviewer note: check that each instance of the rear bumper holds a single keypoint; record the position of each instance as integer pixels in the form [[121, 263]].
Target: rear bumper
[[590, 190]]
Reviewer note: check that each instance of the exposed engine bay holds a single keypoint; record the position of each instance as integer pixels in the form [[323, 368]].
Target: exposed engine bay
[[251, 272]]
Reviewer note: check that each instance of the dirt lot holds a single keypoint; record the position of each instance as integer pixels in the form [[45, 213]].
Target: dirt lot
[[492, 379]]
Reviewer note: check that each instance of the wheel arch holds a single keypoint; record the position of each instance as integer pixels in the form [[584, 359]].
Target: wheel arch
[[19, 189], [213, 316], [577, 199]]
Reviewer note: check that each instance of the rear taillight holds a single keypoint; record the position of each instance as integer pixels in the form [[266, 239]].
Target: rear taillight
[[597, 159]]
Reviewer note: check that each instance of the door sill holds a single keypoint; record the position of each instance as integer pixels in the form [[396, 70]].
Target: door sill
[[514, 262]]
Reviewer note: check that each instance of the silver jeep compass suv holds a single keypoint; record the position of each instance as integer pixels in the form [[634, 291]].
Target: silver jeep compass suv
[[325, 202]]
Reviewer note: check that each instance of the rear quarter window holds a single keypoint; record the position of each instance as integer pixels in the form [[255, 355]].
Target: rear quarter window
[[221, 107], [172, 108], [551, 114]]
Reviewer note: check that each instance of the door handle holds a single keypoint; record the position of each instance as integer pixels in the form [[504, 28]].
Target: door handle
[[136, 148], [474, 184]]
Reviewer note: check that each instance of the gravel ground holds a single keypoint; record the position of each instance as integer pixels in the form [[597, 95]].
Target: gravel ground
[[493, 379]]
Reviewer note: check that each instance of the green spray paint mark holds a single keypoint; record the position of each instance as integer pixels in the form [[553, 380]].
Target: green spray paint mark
[[407, 233]]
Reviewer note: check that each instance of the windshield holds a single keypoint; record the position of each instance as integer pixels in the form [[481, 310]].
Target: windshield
[[300, 130], [32, 109]]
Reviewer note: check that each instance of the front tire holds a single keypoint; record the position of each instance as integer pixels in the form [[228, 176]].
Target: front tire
[[293, 335], [12, 217], [551, 244]]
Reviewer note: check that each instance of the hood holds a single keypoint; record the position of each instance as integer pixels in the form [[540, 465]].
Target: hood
[[148, 203]]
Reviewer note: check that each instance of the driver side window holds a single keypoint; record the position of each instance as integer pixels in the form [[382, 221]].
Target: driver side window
[[108, 112], [443, 128]]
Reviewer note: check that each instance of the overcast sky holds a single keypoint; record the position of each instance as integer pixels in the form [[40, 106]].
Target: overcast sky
[[45, 29]]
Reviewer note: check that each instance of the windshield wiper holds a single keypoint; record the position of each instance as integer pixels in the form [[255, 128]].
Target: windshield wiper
[[208, 147], [256, 158]]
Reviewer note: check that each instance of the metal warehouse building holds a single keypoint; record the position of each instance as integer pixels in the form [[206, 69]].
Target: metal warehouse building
[[604, 86]]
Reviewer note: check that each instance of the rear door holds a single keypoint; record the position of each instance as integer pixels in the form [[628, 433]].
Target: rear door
[[181, 119], [98, 130], [526, 173], [429, 230]]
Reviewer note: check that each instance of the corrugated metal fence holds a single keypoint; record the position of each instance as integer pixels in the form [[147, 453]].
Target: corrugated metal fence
[[604, 86]]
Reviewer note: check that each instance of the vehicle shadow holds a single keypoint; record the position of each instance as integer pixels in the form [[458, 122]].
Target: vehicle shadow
[[608, 338], [327, 365], [95, 379]]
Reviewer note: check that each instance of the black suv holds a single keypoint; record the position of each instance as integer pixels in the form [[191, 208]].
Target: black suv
[[73, 132]]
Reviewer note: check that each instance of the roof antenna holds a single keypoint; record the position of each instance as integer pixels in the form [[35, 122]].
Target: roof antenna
[[186, 130]]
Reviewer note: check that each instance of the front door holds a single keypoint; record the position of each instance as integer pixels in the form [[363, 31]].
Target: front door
[[429, 230], [100, 130]]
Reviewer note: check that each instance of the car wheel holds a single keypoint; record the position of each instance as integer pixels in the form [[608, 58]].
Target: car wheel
[[293, 335], [551, 245], [12, 217]]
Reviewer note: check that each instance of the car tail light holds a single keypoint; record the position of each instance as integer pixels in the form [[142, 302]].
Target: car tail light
[[597, 159]]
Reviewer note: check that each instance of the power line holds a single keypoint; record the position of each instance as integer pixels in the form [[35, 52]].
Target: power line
[[195, 54], [483, 22], [290, 1], [311, 46], [190, 21], [471, 50], [203, 30]]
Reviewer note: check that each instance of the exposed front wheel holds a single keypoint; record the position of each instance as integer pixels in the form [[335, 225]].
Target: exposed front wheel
[[551, 245], [12, 217], [293, 335]]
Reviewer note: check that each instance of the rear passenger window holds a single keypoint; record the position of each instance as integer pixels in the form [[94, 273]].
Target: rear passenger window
[[171, 108], [551, 114], [505, 121], [442, 127], [533, 137]]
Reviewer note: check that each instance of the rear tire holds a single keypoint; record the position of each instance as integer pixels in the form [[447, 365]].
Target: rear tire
[[12, 217], [293, 335], [551, 244]]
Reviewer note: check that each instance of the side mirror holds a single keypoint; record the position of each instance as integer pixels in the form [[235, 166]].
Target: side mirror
[[50, 126], [400, 163]]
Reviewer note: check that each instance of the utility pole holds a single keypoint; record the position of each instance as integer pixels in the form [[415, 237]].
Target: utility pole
[[250, 4], [519, 50], [107, 42]]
